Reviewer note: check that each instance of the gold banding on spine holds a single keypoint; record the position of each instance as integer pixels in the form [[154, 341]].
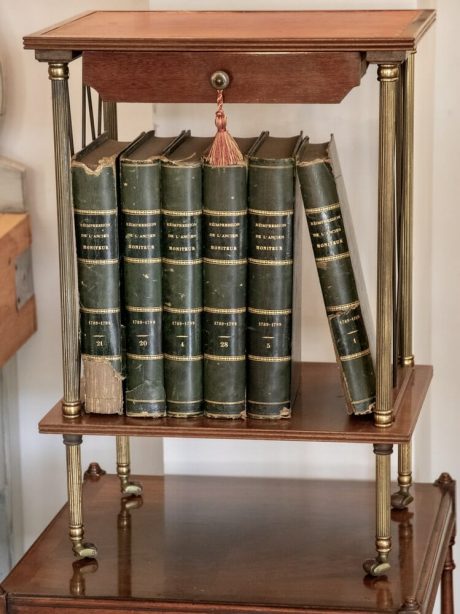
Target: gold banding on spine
[[270, 312], [269, 358], [321, 209], [269, 403], [94, 310], [224, 213], [145, 356], [225, 262], [89, 261], [181, 359], [100, 358], [143, 309], [344, 307], [141, 211], [95, 212], [184, 403], [270, 166], [271, 213], [220, 358], [224, 310], [182, 262], [270, 262], [355, 355], [362, 400], [332, 258], [172, 213], [141, 260], [224, 402], [180, 310]]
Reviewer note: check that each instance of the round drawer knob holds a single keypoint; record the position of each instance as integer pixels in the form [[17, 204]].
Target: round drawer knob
[[220, 80]]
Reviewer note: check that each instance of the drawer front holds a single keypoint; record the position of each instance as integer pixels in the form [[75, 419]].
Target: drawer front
[[142, 76]]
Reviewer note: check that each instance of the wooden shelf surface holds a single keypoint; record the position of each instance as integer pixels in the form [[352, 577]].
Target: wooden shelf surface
[[236, 545], [319, 414], [237, 31]]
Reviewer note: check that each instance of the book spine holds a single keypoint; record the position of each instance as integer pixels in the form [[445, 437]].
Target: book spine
[[270, 271], [337, 280], [224, 290], [182, 289], [141, 208], [96, 229]]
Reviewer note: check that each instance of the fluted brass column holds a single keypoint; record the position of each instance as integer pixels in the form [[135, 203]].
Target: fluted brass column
[[380, 565], [127, 486], [388, 77], [59, 75], [122, 443], [110, 119], [74, 494], [407, 159], [402, 498]]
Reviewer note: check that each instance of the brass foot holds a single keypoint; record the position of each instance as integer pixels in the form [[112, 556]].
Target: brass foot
[[85, 550], [376, 567], [401, 499], [131, 488]]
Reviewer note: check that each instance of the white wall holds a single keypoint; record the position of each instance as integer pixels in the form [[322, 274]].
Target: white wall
[[25, 134]]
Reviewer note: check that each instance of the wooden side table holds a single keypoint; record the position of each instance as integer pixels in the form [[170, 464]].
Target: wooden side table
[[238, 545]]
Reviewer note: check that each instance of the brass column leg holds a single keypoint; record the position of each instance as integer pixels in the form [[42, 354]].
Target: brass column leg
[[124, 469], [380, 565], [407, 88], [447, 588], [388, 77], [110, 119], [122, 441], [74, 493], [59, 75], [401, 499]]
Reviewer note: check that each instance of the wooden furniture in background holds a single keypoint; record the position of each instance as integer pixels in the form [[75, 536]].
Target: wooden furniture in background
[[17, 316]]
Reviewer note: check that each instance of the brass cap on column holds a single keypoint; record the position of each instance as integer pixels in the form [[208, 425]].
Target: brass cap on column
[[58, 71], [388, 72]]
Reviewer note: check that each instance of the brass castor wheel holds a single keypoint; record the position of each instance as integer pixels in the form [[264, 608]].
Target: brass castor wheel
[[132, 489], [85, 551], [400, 500], [375, 567]]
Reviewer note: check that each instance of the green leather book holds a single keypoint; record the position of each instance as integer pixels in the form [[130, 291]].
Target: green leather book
[[224, 286], [182, 277], [95, 201], [140, 190], [271, 196], [339, 271]]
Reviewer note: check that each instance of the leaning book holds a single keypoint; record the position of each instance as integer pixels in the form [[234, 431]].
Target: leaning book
[[339, 271]]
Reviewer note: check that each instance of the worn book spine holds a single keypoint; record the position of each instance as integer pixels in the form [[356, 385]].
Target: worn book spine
[[224, 290], [141, 207], [337, 278], [182, 287], [96, 228], [270, 277]]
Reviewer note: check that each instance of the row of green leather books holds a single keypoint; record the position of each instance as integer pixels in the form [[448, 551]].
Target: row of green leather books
[[185, 276]]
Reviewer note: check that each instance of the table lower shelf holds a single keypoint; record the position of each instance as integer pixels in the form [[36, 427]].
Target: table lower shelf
[[319, 414], [236, 545]]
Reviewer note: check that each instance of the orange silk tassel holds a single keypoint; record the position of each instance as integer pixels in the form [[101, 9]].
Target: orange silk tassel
[[224, 149]]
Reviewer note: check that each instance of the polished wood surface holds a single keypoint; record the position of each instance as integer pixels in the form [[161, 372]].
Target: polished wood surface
[[237, 31], [319, 414], [16, 324], [197, 544], [139, 76]]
